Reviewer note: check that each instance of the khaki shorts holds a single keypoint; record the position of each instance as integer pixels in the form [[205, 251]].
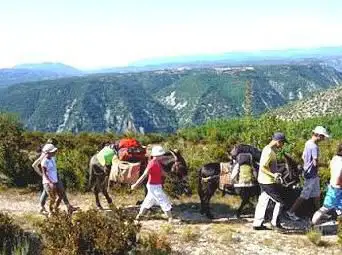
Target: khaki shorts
[[311, 188]]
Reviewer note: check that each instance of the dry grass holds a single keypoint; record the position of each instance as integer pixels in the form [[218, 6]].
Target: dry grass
[[167, 229], [29, 221], [224, 233], [190, 234]]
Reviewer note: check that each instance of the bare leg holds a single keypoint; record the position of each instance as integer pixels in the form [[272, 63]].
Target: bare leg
[[317, 202], [299, 201]]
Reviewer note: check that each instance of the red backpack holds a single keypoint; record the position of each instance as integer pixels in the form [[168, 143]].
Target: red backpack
[[128, 143], [131, 150]]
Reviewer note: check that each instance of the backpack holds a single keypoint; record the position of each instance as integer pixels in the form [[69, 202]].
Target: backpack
[[244, 159], [246, 148], [128, 143], [131, 150]]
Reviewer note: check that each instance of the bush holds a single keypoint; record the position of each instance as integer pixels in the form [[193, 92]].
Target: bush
[[314, 237], [13, 239], [89, 232], [153, 244], [73, 169]]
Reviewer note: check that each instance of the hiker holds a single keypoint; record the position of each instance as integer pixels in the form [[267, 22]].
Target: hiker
[[155, 194], [311, 188], [333, 197], [44, 196], [269, 181]]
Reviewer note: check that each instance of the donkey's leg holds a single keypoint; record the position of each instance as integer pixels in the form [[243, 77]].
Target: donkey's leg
[[244, 201], [201, 194], [212, 187], [96, 193], [105, 191], [244, 195]]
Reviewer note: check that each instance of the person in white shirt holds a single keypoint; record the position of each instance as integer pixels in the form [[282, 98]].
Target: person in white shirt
[[333, 197], [53, 187], [50, 178], [44, 196]]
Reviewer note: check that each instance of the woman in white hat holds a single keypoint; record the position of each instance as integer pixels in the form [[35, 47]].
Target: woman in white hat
[[155, 194], [60, 187], [50, 177]]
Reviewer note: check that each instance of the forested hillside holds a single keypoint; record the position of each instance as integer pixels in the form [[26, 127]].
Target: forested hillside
[[160, 100]]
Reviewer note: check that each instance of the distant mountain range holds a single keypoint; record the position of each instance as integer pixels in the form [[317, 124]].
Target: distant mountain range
[[163, 100], [331, 56], [245, 58], [36, 72]]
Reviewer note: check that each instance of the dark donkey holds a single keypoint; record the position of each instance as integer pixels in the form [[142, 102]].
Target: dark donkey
[[208, 183], [173, 163]]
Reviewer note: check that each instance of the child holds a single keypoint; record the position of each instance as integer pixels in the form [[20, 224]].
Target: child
[[155, 194]]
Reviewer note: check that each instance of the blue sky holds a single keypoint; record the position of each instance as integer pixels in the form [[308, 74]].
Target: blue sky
[[103, 33]]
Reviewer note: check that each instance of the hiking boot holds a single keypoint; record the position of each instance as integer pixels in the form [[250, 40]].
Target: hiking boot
[[292, 216], [262, 227]]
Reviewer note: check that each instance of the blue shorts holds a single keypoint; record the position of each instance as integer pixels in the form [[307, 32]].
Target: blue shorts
[[333, 198]]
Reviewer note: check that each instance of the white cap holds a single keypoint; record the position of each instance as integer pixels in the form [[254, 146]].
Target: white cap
[[321, 131], [49, 148], [157, 150]]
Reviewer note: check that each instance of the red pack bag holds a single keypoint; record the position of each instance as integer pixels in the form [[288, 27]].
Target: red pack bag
[[128, 143]]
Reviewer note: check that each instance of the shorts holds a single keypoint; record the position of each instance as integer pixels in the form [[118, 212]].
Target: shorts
[[333, 198], [311, 188], [156, 196]]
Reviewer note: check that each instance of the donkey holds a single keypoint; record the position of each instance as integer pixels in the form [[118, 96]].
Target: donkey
[[173, 164], [208, 183]]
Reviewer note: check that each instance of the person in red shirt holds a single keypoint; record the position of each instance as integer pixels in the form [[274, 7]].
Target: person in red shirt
[[155, 194]]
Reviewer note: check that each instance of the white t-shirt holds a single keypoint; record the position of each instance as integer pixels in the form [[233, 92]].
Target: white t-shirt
[[336, 172], [50, 165]]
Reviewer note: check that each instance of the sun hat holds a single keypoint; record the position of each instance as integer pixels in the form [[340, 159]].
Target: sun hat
[[49, 148], [157, 150], [321, 131]]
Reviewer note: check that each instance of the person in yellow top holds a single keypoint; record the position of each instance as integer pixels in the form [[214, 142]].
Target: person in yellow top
[[270, 183]]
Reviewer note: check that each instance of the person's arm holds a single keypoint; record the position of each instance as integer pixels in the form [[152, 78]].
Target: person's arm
[[141, 179], [314, 154], [36, 163]]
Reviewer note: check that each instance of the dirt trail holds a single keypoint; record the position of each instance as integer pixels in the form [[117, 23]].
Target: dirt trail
[[191, 233]]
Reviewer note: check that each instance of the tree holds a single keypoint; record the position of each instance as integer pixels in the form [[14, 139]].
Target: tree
[[248, 103], [14, 161]]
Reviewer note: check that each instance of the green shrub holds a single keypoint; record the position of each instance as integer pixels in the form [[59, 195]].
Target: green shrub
[[89, 232], [314, 237], [73, 169], [13, 239], [153, 244]]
